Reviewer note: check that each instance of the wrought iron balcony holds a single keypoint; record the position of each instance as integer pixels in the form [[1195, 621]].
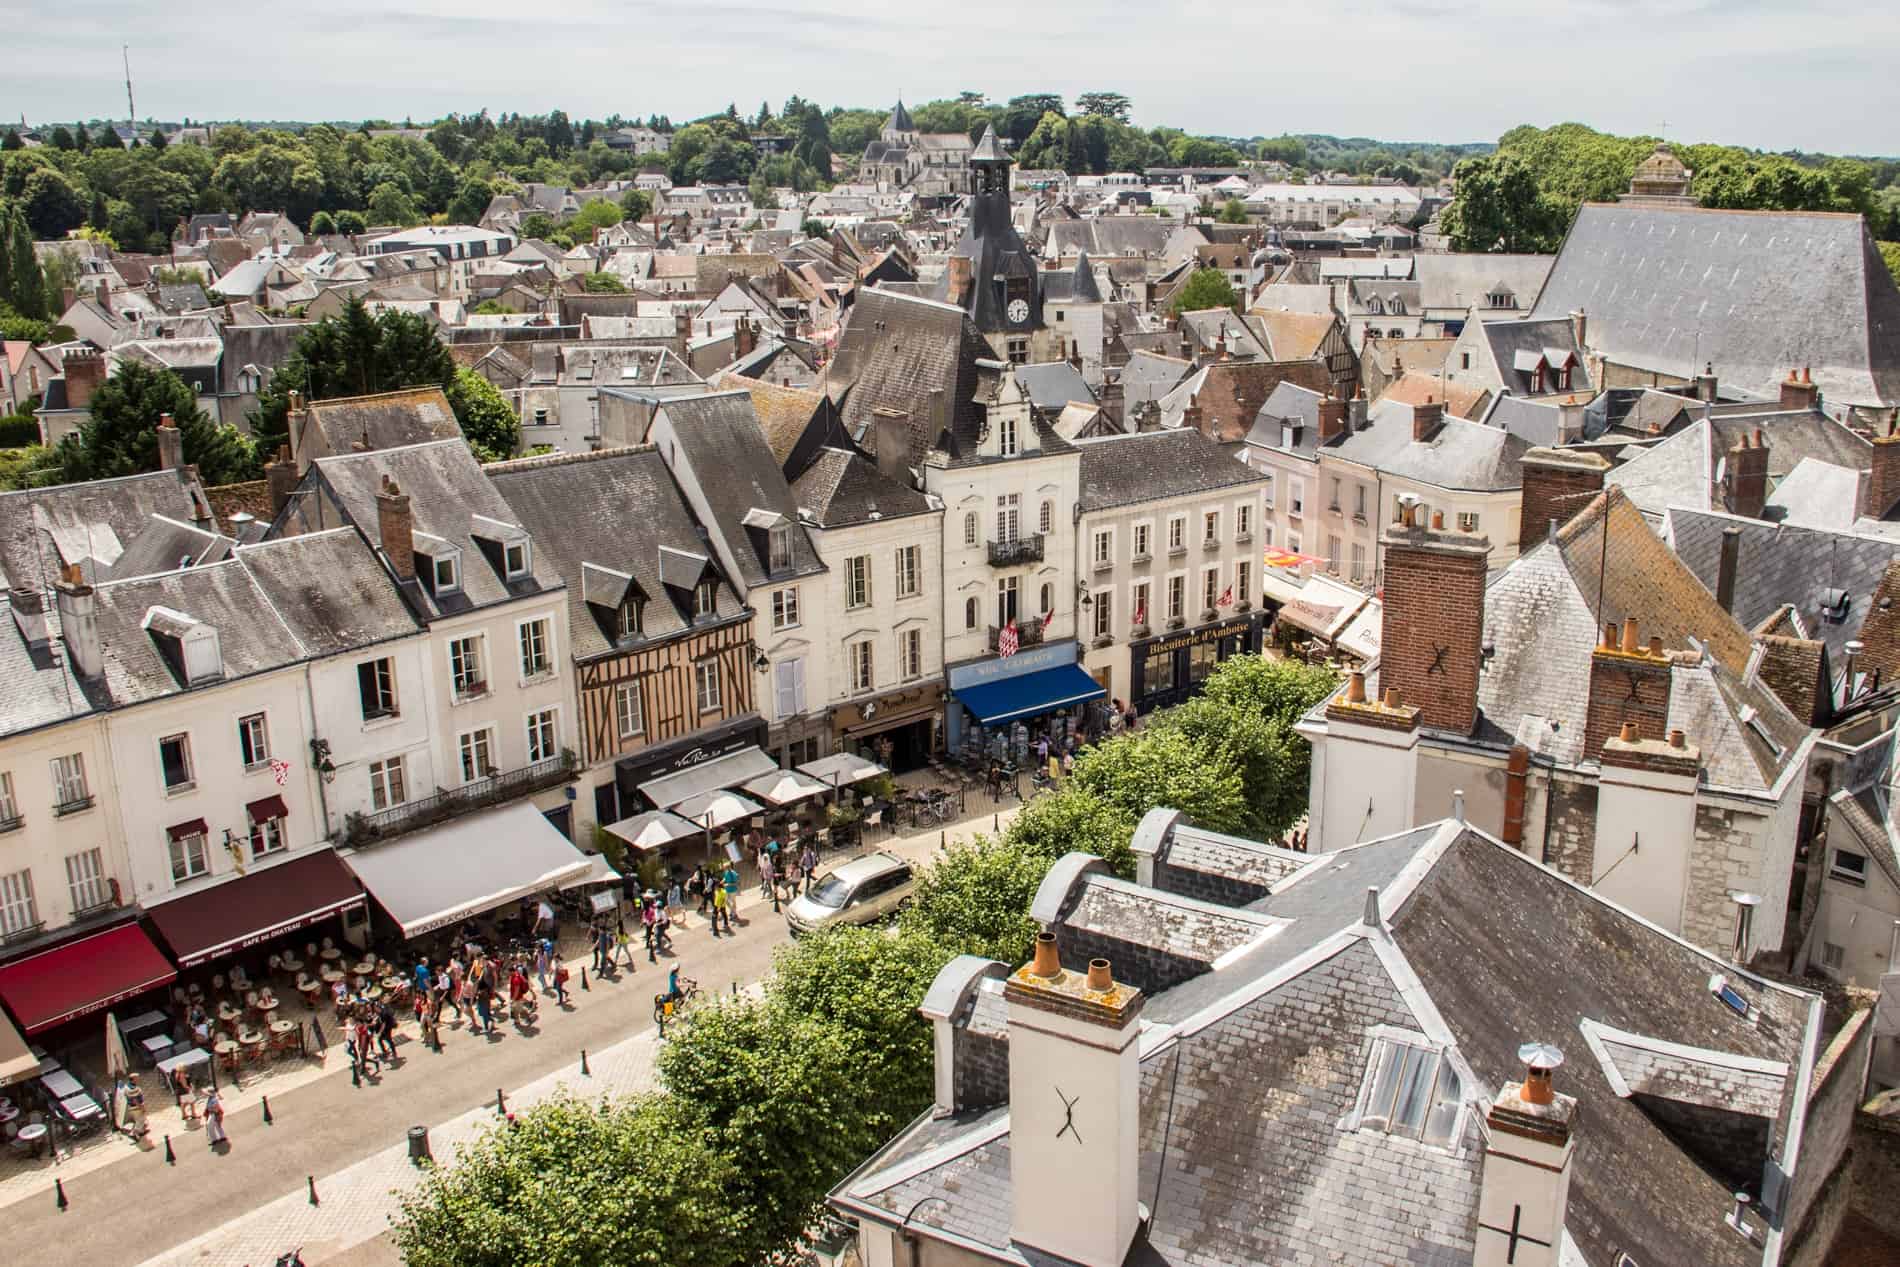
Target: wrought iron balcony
[[447, 803], [1028, 632], [1027, 549]]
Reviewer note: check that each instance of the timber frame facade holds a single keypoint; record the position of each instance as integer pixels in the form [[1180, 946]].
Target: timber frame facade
[[668, 690]]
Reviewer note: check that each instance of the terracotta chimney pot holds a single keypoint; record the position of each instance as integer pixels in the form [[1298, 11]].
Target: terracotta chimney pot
[[1631, 644], [1677, 739], [1047, 962], [1100, 979], [1356, 688], [1628, 734]]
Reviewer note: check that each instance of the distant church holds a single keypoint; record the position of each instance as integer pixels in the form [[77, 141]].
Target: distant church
[[929, 164], [1660, 181]]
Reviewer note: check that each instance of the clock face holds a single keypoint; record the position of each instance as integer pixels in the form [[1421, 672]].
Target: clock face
[[1019, 310]]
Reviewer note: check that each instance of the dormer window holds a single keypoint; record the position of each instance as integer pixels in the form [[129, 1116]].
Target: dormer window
[[780, 552], [627, 620], [514, 559], [706, 599], [1006, 438], [444, 578]]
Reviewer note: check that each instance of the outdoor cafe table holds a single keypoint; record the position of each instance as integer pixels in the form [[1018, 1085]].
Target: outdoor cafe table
[[279, 1028], [33, 1134], [80, 1107], [157, 1047], [190, 1058], [143, 1021], [61, 1084]]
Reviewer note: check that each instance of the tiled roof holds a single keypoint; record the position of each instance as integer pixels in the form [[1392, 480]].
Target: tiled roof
[[1294, 336], [1418, 387], [414, 415], [1053, 384], [1154, 466], [841, 488], [895, 353], [784, 412], [41, 528]]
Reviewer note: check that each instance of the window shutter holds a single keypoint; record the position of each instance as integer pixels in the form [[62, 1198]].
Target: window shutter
[[787, 685], [798, 692]]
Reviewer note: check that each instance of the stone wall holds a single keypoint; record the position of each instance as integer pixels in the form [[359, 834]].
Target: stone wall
[[1206, 886], [1571, 828], [1825, 1163]]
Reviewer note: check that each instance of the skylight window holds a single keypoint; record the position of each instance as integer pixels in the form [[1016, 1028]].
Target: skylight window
[[1411, 1090]]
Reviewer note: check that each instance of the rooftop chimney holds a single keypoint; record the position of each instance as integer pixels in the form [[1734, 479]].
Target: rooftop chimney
[[171, 444], [959, 288], [1747, 476], [1427, 419], [79, 623], [1629, 682], [1798, 391], [396, 529], [85, 371], [1074, 1107], [1705, 384], [1525, 1191], [294, 419], [1883, 480], [1725, 569], [29, 613], [1332, 417], [1557, 484], [891, 437], [280, 477], [1432, 635]]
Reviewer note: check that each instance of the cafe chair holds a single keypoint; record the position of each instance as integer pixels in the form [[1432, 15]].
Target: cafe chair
[[309, 951], [217, 983], [328, 944], [874, 819]]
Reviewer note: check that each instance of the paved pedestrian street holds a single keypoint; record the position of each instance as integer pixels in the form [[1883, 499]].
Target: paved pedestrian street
[[250, 1202]]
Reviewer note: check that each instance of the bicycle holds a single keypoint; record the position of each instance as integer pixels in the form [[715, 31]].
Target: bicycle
[[666, 1006]]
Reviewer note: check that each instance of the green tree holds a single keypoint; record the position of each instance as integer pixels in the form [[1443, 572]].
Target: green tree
[[322, 223], [1233, 211], [351, 222], [29, 466], [975, 897], [120, 436], [388, 204], [62, 138], [352, 354], [487, 420], [53, 207], [1160, 766], [1499, 206], [22, 285], [471, 201], [572, 1184], [603, 284], [1207, 288], [10, 140], [636, 204], [1111, 105], [601, 213], [107, 139], [1890, 252]]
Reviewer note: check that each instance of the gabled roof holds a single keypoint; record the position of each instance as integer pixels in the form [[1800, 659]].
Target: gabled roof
[[93, 523], [648, 517], [1672, 288], [1520, 348], [1460, 454], [841, 488], [1688, 468], [896, 353], [1053, 384], [1293, 336], [389, 420], [1452, 282]]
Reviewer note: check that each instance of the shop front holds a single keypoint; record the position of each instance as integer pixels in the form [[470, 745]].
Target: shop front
[[1000, 707], [244, 913], [720, 748], [77, 978], [1171, 668], [898, 730]]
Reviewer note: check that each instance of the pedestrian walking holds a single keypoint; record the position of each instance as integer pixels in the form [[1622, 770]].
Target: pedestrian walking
[[485, 1006], [696, 888], [730, 881], [808, 864], [386, 1029], [603, 949], [543, 960], [768, 876], [560, 984], [675, 903], [214, 1120], [135, 1124], [649, 916], [719, 911]]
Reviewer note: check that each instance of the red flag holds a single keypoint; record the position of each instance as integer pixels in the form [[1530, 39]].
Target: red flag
[[1006, 641], [1226, 597], [1141, 613]]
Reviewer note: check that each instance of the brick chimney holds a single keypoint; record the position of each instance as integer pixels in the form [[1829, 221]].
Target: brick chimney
[[1705, 384], [1074, 1108], [1747, 476], [296, 417], [171, 444], [1798, 390], [1557, 484], [745, 337], [1431, 638], [1427, 419], [1191, 416], [959, 289], [1883, 482], [396, 529], [1332, 417], [280, 477], [1524, 1194], [1629, 682], [85, 371], [1580, 329]]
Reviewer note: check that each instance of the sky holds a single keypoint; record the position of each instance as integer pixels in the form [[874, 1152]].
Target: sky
[[1771, 74]]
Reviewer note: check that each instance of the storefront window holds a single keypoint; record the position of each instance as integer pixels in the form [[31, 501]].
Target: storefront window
[[1158, 672]]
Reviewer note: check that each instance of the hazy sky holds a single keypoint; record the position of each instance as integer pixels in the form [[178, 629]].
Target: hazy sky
[[1775, 74]]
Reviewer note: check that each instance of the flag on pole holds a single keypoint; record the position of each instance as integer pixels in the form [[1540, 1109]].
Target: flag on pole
[[280, 770], [1141, 613], [1006, 642], [1226, 597]]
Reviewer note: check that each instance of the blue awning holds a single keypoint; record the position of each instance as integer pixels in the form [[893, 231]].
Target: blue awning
[[1029, 695]]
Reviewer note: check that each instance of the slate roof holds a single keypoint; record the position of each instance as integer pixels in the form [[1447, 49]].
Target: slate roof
[[1110, 236], [1150, 376], [1787, 565], [784, 413], [640, 513], [1251, 1072], [895, 352], [1454, 282], [388, 420], [719, 438], [1687, 468], [446, 491], [266, 347], [1517, 346], [841, 488], [1755, 292], [1155, 466], [1207, 328], [42, 528], [1076, 286], [166, 544], [1053, 384], [273, 605], [1289, 403], [1459, 455]]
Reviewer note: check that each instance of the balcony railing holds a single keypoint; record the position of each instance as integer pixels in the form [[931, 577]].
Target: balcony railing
[[364, 829], [73, 806], [1028, 633], [1019, 550]]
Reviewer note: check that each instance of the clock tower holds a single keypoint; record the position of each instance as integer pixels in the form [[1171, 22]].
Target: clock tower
[[992, 275]]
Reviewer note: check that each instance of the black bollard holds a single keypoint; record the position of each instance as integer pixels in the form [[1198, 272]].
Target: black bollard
[[171, 1158], [996, 822], [501, 1105], [583, 977], [312, 1181], [59, 1191], [356, 1072], [316, 1033], [268, 1119], [585, 1071]]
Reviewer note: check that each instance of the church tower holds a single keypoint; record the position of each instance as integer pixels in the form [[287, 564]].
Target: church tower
[[992, 276]]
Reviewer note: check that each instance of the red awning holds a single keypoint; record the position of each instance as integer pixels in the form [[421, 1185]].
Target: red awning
[[69, 981], [250, 911], [196, 827], [266, 808]]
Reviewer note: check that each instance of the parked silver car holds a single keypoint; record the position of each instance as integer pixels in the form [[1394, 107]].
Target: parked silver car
[[860, 891]]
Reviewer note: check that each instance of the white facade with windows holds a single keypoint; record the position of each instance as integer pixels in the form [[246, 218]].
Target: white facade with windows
[[62, 841], [875, 617]]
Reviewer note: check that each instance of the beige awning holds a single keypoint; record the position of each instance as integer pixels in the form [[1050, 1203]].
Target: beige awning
[[16, 1062]]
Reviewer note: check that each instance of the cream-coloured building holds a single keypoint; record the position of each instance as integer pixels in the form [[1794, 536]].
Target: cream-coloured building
[[1168, 554]]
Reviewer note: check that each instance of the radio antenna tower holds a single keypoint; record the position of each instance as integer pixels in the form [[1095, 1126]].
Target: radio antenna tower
[[131, 111]]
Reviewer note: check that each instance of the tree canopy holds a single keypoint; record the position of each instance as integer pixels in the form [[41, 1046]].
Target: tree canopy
[[352, 354], [120, 435], [1206, 288]]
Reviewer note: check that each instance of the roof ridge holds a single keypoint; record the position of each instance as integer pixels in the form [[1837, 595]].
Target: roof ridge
[[541, 460], [400, 391]]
